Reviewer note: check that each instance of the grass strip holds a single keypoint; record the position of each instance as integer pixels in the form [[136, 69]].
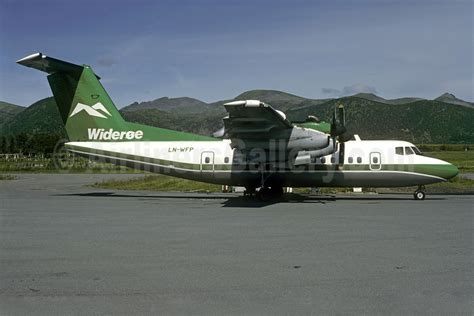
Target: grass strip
[[158, 183]]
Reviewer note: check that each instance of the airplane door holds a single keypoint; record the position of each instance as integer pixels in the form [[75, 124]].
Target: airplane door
[[207, 161], [375, 161]]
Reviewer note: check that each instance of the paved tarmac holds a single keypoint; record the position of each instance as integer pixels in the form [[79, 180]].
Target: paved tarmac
[[70, 249]]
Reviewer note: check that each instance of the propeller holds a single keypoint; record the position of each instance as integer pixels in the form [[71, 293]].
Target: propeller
[[220, 132], [338, 127], [338, 121], [337, 132]]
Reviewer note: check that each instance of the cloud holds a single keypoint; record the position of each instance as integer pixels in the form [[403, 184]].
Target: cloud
[[107, 61], [349, 90], [330, 91], [358, 88]]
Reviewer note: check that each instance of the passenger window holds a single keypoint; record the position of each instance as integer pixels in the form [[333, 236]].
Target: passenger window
[[359, 160], [375, 160], [399, 150], [323, 160], [226, 160], [333, 160], [409, 151], [207, 160], [350, 160]]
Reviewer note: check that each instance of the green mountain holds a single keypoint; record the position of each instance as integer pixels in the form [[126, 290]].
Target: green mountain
[[376, 98], [280, 100], [372, 117], [41, 117], [8, 111], [423, 121], [451, 99], [166, 104], [204, 123]]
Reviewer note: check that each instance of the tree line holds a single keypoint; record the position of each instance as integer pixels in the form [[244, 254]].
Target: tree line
[[35, 143]]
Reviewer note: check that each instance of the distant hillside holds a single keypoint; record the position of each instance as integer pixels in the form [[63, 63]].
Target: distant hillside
[[279, 100], [166, 104], [422, 121], [451, 99], [269, 96], [200, 123], [8, 111], [372, 117], [376, 98], [40, 117]]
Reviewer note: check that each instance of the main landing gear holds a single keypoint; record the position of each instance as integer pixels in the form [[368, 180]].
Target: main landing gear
[[268, 190], [419, 193], [249, 191], [265, 193], [268, 193]]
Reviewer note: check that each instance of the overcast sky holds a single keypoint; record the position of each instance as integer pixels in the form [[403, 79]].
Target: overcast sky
[[213, 50]]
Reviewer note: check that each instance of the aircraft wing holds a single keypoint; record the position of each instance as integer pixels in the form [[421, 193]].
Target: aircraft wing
[[253, 124]]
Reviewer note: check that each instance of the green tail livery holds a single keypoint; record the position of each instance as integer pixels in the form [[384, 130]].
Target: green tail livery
[[263, 151]]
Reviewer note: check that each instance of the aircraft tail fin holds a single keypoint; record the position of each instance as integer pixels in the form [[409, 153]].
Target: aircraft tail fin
[[82, 101]]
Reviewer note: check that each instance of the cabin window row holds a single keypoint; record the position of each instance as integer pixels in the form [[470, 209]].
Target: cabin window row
[[323, 160], [208, 160], [351, 160]]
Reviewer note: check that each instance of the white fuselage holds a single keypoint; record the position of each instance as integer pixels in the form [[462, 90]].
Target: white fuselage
[[354, 163]]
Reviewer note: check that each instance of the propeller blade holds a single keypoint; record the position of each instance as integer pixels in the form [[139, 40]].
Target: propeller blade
[[338, 121], [342, 117], [219, 133]]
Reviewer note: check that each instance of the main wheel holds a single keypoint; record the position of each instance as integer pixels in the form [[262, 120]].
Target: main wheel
[[264, 194], [249, 191], [419, 195], [276, 191]]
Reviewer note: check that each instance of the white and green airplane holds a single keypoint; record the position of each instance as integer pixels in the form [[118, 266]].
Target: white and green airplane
[[263, 150]]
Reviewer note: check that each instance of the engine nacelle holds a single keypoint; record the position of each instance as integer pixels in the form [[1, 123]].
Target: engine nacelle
[[305, 157], [307, 139]]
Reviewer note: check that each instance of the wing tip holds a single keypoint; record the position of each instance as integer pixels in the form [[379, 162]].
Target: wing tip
[[29, 58]]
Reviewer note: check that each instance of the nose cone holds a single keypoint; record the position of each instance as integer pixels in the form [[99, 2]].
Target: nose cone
[[451, 171]]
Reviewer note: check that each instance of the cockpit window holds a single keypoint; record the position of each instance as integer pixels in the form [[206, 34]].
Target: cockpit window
[[399, 150], [416, 150], [409, 151]]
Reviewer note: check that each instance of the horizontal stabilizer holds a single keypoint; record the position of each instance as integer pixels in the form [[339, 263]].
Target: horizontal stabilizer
[[49, 65]]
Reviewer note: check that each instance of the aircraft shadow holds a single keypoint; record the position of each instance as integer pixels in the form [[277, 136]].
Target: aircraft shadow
[[229, 201], [250, 202]]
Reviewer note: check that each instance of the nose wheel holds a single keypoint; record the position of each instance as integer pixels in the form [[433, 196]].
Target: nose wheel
[[419, 194]]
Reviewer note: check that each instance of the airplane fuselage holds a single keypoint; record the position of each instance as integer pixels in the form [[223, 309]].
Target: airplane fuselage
[[357, 163]]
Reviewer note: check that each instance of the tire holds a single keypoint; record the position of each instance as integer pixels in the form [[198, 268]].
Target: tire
[[264, 194], [276, 191], [249, 191], [419, 195]]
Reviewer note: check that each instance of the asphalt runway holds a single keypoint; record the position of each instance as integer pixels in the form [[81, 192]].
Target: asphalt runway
[[70, 249]]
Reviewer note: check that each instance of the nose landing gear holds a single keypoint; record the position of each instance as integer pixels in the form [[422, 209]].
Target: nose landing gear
[[419, 193]]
